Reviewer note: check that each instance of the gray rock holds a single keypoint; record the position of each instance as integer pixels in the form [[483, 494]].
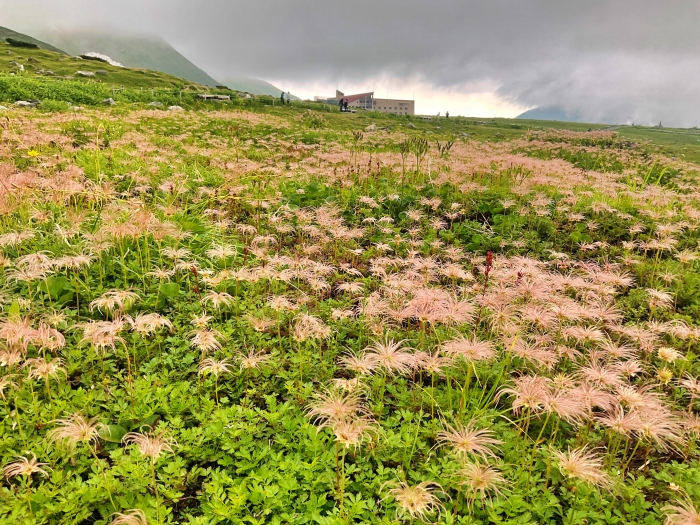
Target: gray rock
[[155, 103], [33, 60], [175, 108], [85, 74], [371, 127], [27, 104], [108, 101], [3, 108], [101, 72], [411, 125]]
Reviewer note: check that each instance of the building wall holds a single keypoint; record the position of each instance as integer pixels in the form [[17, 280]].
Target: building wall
[[362, 103], [399, 107], [368, 102]]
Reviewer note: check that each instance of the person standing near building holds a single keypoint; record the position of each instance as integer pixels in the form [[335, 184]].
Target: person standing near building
[[282, 98], [345, 105], [340, 105]]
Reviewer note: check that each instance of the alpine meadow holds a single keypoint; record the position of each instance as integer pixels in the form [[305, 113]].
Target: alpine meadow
[[244, 313]]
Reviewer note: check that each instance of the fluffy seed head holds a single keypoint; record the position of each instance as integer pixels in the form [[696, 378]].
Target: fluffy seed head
[[214, 367], [417, 501], [480, 479], [583, 465], [24, 467], [253, 360], [682, 513], [76, 429], [148, 444], [334, 406], [130, 517], [466, 439]]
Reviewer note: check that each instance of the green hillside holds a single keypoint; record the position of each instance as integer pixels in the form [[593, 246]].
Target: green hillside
[[135, 51], [57, 79], [9, 33], [42, 63]]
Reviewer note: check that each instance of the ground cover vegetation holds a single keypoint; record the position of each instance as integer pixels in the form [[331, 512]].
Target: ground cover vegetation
[[271, 315]]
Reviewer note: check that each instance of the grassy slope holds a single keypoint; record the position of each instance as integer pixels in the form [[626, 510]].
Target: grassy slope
[[681, 143], [145, 52], [64, 66], [675, 142], [9, 33]]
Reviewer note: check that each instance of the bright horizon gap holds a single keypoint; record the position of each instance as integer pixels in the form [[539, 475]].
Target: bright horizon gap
[[476, 100]]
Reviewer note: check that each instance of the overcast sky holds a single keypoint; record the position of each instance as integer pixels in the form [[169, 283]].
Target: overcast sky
[[610, 60]]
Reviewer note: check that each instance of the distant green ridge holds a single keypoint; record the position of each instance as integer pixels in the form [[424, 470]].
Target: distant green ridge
[[9, 33], [136, 51], [254, 86], [551, 113]]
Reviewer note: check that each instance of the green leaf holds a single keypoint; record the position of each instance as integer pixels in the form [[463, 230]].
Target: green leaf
[[55, 285], [148, 422], [112, 433], [194, 225], [13, 310], [575, 236], [169, 290]]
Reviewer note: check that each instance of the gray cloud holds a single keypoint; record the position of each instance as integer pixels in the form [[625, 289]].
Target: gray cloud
[[613, 60]]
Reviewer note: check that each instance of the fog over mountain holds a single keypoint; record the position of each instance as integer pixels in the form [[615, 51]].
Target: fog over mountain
[[606, 60]]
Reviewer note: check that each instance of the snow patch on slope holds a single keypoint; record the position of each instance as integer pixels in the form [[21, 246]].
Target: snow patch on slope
[[105, 58]]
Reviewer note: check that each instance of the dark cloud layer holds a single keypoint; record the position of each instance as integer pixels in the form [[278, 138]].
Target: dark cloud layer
[[612, 60]]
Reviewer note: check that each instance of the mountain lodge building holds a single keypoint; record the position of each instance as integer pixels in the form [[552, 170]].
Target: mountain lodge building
[[367, 102]]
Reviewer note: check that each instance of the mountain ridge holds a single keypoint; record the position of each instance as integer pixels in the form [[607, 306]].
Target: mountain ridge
[[146, 52], [6, 32], [555, 113], [254, 86], [135, 51]]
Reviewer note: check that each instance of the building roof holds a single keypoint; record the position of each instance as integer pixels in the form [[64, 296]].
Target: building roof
[[353, 98]]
